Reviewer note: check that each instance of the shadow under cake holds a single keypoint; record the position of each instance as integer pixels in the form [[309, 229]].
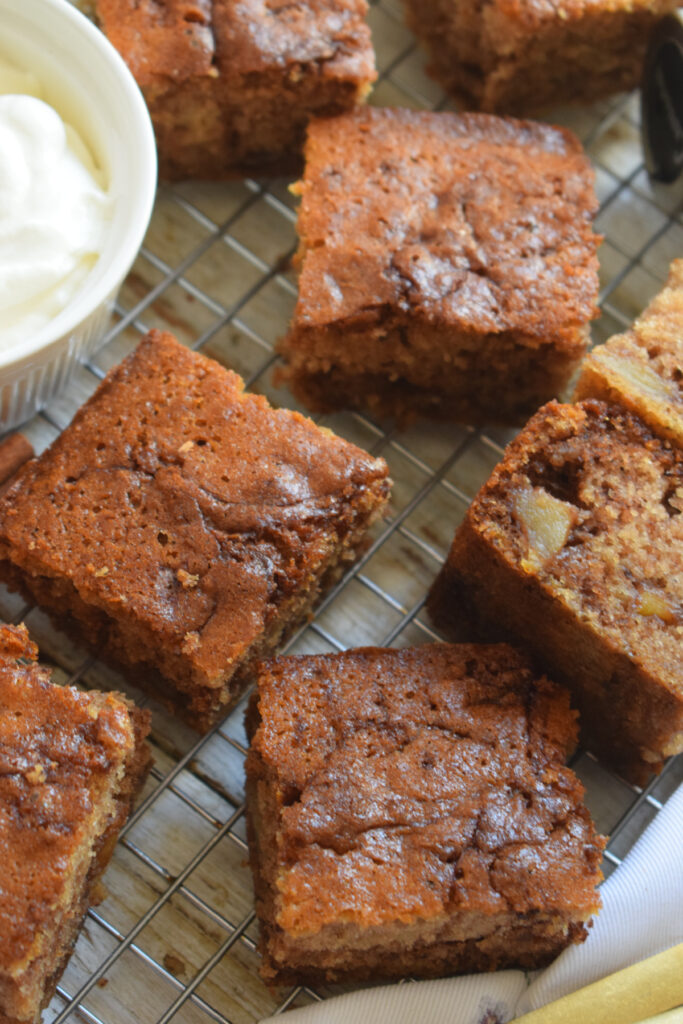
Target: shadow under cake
[[409, 814], [181, 527], [231, 86], [71, 764], [642, 369], [448, 265], [574, 547], [512, 57]]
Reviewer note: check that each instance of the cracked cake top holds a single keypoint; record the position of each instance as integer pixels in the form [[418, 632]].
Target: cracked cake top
[[221, 40], [414, 782], [177, 500], [480, 222]]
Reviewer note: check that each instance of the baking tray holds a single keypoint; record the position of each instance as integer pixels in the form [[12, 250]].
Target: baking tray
[[175, 938]]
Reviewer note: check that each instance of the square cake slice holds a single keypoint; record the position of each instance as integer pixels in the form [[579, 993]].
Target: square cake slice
[[525, 56], [575, 547], [182, 527], [409, 814], [71, 764], [449, 269], [642, 369], [231, 86]]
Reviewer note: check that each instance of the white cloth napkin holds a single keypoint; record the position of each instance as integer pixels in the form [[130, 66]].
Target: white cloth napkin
[[642, 915]]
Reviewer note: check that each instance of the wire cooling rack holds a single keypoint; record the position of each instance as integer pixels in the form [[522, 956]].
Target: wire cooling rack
[[175, 938]]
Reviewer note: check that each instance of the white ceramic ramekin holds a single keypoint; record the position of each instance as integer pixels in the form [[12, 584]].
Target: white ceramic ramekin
[[89, 85]]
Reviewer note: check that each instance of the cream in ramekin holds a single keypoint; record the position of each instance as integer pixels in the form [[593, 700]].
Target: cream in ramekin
[[55, 211], [88, 84]]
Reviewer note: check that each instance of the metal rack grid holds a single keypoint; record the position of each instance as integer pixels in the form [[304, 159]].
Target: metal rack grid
[[175, 937]]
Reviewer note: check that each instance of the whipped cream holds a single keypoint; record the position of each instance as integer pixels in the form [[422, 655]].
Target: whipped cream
[[54, 210]]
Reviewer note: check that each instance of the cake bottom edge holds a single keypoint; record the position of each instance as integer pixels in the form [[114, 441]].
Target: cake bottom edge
[[529, 945]]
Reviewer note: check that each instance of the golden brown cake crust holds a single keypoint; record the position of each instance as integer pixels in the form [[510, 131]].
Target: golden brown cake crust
[[62, 754], [231, 86], [574, 546], [453, 256], [256, 35], [411, 222], [182, 524], [393, 788], [173, 40]]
